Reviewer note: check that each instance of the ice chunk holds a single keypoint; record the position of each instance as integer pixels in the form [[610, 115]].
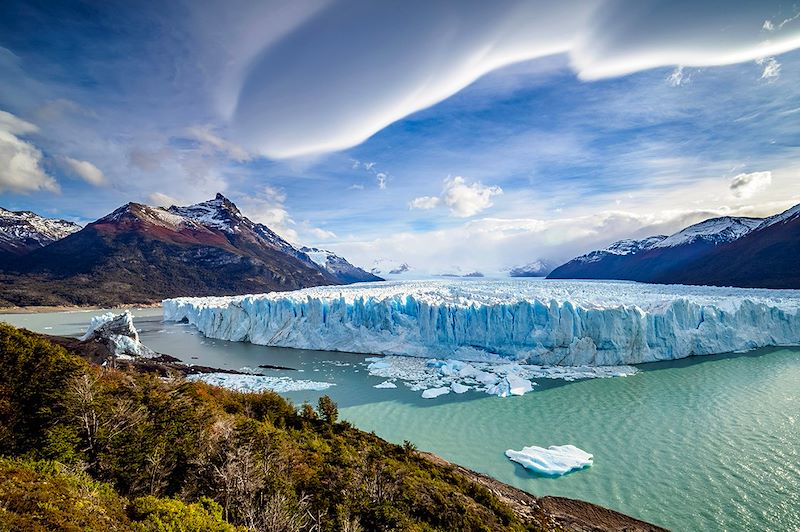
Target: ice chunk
[[118, 333], [566, 323], [430, 393], [511, 384], [457, 387], [386, 384], [258, 383], [554, 461]]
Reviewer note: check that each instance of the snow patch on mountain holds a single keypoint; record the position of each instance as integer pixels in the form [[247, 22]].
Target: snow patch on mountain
[[337, 266], [714, 231], [22, 231], [537, 268], [783, 217]]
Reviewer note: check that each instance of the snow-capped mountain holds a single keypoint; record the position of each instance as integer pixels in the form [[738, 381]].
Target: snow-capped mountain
[[537, 268], [24, 231], [389, 267], [714, 231], [731, 251], [338, 266], [140, 253], [604, 263]]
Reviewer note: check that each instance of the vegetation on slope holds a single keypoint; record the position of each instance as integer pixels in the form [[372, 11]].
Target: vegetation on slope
[[90, 448]]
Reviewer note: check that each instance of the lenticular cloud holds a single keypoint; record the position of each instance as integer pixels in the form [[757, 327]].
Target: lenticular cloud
[[354, 67]]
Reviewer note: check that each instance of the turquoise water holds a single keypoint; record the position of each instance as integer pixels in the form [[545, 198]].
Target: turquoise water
[[708, 443]]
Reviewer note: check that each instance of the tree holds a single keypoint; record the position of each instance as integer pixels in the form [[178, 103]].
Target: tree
[[328, 410]]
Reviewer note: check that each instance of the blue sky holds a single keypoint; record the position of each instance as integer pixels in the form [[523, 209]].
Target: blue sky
[[447, 135]]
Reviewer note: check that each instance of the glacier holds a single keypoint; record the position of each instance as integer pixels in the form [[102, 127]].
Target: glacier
[[541, 322], [554, 461]]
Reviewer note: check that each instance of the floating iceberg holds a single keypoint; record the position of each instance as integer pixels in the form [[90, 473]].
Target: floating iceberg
[[258, 383], [554, 461], [502, 379], [547, 323], [435, 392]]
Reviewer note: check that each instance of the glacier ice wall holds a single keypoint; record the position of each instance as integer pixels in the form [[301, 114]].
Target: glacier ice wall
[[534, 321]]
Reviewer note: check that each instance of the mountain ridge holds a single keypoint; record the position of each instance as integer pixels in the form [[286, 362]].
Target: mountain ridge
[[724, 251], [141, 254]]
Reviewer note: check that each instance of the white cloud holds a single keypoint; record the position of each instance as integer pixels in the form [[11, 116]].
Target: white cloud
[[678, 77], [86, 171], [321, 234], [424, 202], [336, 92], [20, 161], [747, 185], [207, 136], [381, 177], [464, 199], [467, 199], [162, 200], [772, 69]]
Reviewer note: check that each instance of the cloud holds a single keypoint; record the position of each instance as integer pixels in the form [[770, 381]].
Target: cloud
[[464, 199], [162, 200], [747, 185], [20, 161], [206, 136], [312, 91], [424, 202], [467, 199], [772, 69], [678, 77], [86, 171], [321, 234]]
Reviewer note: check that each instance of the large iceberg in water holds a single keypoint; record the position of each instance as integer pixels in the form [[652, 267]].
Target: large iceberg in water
[[554, 461], [549, 323]]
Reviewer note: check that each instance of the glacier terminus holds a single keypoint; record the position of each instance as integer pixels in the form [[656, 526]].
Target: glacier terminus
[[549, 323]]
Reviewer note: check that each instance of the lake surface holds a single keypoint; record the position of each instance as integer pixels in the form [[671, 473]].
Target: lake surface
[[707, 443]]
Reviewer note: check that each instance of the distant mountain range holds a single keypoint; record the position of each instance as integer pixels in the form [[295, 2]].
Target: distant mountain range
[[537, 268], [140, 254], [726, 251], [24, 231]]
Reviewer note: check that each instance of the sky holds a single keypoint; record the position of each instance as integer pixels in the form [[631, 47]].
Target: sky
[[454, 135]]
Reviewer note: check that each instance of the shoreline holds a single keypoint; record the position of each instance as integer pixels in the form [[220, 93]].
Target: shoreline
[[565, 513], [43, 309]]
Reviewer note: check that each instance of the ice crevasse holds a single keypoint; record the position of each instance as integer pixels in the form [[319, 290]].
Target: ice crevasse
[[571, 323]]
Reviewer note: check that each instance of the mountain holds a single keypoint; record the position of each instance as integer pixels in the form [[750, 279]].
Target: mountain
[[140, 254], [729, 251], [388, 267], [607, 263], [337, 266], [537, 268], [24, 231], [766, 257]]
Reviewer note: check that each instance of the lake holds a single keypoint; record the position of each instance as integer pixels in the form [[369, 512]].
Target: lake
[[705, 443]]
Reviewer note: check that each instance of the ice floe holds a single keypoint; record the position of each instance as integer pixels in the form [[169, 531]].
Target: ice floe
[[258, 383], [431, 393], [554, 461], [493, 378]]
